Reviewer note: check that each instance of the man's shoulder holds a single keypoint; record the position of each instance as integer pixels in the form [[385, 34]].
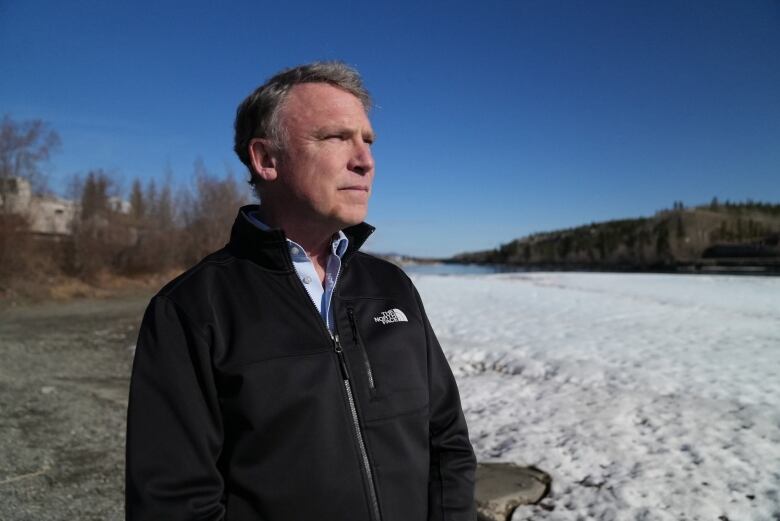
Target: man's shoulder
[[200, 278], [370, 273], [377, 265]]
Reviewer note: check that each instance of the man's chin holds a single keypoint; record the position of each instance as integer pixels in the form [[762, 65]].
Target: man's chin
[[347, 219]]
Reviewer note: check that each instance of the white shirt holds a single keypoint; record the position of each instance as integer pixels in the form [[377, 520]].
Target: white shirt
[[320, 294]]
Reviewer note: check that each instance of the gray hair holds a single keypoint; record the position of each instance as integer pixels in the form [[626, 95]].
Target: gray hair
[[258, 115]]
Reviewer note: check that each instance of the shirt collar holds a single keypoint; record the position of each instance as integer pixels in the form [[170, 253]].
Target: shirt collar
[[339, 243]]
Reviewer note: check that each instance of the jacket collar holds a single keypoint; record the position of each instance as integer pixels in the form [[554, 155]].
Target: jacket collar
[[268, 248]]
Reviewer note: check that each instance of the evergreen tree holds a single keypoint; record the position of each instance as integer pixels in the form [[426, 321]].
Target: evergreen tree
[[164, 212], [714, 204], [662, 246], [680, 230], [137, 202], [150, 198], [94, 195]]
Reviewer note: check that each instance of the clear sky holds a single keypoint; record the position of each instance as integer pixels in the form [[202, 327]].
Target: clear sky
[[495, 119]]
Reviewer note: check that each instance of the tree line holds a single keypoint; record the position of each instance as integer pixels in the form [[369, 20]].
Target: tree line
[[156, 227], [680, 235]]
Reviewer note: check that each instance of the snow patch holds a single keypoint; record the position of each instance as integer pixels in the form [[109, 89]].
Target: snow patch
[[644, 396]]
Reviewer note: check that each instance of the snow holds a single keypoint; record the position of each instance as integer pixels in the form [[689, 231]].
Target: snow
[[652, 397]]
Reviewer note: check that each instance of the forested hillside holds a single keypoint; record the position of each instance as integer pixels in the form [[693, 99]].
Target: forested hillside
[[727, 233]]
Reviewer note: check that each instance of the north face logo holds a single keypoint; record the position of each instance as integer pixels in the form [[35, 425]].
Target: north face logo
[[390, 316]]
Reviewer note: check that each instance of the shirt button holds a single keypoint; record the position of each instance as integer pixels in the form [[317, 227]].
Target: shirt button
[[307, 280], [294, 250]]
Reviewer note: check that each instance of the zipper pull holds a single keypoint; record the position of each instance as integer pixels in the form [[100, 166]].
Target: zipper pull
[[340, 353]]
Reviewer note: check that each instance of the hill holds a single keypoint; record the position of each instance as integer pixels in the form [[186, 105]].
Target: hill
[[719, 235]]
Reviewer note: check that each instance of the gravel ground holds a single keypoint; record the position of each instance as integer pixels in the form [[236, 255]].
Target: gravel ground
[[64, 375]]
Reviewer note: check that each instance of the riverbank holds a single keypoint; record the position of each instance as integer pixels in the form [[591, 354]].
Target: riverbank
[[63, 396], [43, 290], [455, 267]]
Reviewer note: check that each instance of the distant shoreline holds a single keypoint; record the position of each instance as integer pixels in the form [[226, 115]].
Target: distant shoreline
[[698, 268]]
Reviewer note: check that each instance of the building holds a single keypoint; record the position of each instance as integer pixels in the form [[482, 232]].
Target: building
[[46, 215]]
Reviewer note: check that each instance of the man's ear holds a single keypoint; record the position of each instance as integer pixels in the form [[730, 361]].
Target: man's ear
[[262, 154]]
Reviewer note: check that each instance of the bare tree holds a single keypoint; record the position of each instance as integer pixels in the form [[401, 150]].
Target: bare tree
[[209, 212], [155, 214], [24, 145], [103, 232]]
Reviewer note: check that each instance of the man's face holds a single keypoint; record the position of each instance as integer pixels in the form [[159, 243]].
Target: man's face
[[326, 167]]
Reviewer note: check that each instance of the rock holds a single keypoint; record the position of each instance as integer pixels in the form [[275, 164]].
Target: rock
[[502, 487]]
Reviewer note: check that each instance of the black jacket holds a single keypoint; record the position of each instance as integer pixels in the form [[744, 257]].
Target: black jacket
[[244, 407]]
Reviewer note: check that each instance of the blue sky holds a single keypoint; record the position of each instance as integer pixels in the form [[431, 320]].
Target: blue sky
[[495, 119]]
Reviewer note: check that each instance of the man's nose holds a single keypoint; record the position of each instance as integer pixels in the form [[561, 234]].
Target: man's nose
[[362, 161]]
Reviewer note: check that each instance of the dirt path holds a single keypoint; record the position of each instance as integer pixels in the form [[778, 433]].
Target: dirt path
[[64, 375]]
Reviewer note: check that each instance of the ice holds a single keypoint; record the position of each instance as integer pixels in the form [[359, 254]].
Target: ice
[[645, 396]]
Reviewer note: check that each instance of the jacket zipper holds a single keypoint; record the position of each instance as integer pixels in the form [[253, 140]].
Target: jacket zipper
[[361, 346], [358, 431], [334, 338]]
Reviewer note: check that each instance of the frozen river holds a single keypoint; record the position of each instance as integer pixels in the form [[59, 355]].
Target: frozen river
[[653, 397]]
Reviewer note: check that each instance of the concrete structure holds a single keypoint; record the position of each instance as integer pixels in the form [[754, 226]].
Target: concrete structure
[[15, 195], [51, 215], [47, 215], [119, 205]]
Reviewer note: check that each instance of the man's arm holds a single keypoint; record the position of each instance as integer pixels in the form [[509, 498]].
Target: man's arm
[[453, 465], [174, 428]]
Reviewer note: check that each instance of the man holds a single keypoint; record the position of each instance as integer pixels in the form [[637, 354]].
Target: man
[[290, 376]]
